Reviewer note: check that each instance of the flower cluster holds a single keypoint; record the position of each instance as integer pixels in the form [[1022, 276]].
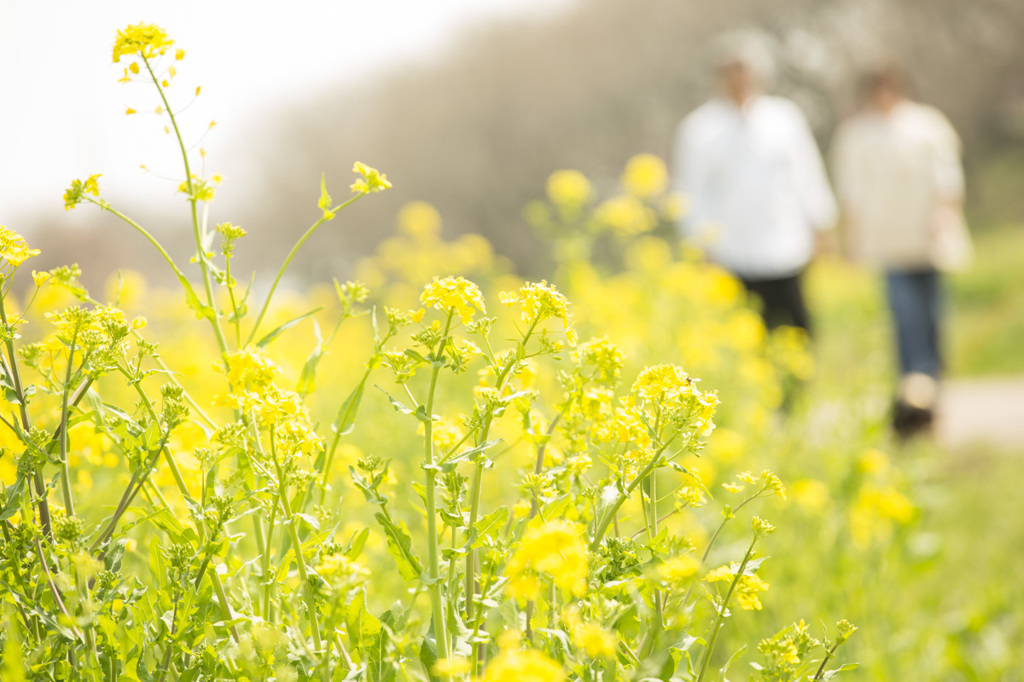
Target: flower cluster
[[146, 40], [454, 294], [371, 180], [13, 249]]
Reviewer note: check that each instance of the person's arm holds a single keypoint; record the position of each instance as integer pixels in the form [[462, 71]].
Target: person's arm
[[846, 175], [947, 169], [811, 180], [688, 171]]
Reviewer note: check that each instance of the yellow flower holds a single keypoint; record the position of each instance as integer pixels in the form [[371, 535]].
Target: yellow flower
[[13, 248], [251, 369], [591, 637], [626, 215], [75, 194], [679, 570], [528, 665], [419, 219], [372, 180], [811, 494], [645, 176], [555, 550], [568, 188], [455, 666], [540, 301], [145, 40], [747, 586], [454, 293]]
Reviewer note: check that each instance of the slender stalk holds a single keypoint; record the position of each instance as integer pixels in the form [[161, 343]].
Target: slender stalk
[[433, 564], [141, 230], [204, 265], [828, 656], [314, 624], [652, 514], [288, 260], [234, 305], [268, 587], [722, 610], [478, 471], [65, 479], [601, 526], [37, 479]]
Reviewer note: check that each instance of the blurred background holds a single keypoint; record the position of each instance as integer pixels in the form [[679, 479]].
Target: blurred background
[[469, 104]]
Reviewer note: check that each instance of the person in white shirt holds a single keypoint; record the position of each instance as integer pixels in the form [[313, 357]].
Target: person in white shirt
[[755, 183], [900, 184]]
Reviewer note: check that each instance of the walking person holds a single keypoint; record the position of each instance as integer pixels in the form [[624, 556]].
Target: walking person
[[900, 184], [755, 182]]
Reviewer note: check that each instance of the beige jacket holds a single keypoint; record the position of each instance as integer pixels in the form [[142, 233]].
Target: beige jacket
[[900, 185]]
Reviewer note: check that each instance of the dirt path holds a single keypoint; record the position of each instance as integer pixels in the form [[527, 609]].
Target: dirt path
[[976, 411]]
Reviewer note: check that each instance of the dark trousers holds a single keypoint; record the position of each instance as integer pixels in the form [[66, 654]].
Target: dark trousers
[[782, 301], [915, 301]]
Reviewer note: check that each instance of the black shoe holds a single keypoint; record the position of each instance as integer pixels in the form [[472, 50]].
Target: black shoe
[[909, 420]]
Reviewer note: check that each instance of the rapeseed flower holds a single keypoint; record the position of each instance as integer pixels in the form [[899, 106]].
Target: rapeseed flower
[[601, 359], [372, 180], [14, 250], [145, 40], [568, 188], [539, 301], [527, 665], [626, 215], [595, 640], [75, 194], [419, 219], [747, 586], [645, 176], [454, 293], [553, 550]]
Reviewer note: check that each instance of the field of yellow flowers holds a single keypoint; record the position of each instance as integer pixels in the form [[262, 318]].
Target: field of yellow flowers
[[439, 471]]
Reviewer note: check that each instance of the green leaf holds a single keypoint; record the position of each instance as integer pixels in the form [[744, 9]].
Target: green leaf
[[363, 627], [489, 525], [420, 412], [286, 326], [400, 547], [829, 674], [356, 544], [346, 419], [469, 454], [201, 309], [13, 498], [307, 380]]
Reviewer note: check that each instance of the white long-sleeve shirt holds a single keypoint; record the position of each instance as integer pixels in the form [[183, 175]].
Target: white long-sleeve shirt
[[900, 182], [755, 184]]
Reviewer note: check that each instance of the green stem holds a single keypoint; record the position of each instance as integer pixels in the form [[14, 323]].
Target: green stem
[[282, 493], [268, 587], [65, 478], [433, 563], [602, 525], [229, 283], [196, 231], [141, 230], [828, 656], [37, 479], [478, 471], [288, 260], [722, 611]]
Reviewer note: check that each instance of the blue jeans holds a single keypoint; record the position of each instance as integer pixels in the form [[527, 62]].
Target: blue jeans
[[915, 301]]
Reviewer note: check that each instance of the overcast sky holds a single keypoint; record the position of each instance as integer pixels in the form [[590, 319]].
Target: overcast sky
[[62, 109]]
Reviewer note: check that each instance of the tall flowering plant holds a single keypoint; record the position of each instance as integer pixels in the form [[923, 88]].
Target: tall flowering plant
[[550, 532]]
